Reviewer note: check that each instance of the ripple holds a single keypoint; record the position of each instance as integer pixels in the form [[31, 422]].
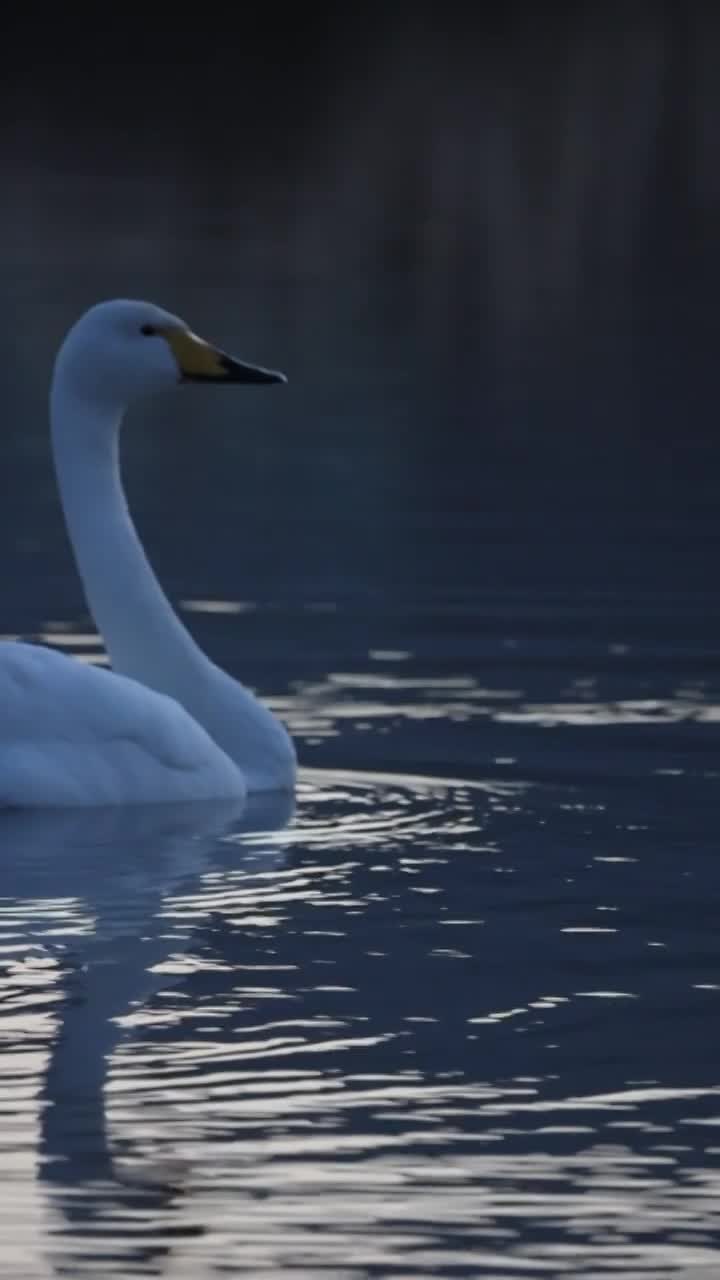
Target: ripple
[[361, 1038]]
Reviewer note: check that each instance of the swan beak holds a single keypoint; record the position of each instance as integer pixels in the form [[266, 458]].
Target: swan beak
[[199, 361]]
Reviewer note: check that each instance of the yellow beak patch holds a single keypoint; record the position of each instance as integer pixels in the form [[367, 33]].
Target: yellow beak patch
[[199, 361], [196, 358]]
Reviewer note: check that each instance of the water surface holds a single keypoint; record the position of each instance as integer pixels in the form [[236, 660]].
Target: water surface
[[454, 1013]]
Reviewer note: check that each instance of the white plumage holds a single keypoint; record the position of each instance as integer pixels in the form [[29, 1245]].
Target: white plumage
[[165, 724], [77, 734]]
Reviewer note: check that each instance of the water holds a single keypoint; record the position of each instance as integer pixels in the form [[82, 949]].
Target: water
[[454, 1012], [453, 1015]]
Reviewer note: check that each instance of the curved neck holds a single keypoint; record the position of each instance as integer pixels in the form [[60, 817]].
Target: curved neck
[[143, 636]]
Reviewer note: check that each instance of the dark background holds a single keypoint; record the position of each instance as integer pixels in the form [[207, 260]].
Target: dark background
[[482, 246]]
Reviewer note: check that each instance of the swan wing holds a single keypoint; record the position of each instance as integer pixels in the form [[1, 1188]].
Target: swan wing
[[75, 734]]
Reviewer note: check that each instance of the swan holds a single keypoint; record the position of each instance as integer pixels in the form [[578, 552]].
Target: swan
[[163, 724]]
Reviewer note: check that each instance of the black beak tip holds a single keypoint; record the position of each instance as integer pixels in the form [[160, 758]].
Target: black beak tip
[[237, 371]]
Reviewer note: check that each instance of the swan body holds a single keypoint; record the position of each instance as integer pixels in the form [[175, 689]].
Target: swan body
[[165, 724]]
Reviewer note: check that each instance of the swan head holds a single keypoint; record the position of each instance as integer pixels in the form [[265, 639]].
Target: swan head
[[122, 350]]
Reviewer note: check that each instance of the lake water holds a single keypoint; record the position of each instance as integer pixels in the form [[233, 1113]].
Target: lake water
[[454, 1012]]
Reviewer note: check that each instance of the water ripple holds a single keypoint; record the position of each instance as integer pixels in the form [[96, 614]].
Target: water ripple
[[418, 1026]]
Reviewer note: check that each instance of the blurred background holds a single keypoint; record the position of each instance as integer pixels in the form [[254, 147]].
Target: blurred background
[[481, 245]]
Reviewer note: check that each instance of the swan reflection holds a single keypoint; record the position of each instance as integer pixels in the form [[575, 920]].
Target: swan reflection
[[82, 907]]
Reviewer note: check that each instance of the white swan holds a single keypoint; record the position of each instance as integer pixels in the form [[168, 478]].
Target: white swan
[[165, 724]]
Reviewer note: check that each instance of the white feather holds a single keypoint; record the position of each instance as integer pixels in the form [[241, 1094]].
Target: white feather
[[72, 733], [165, 725]]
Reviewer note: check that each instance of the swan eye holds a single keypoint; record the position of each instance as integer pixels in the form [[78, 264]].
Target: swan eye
[[148, 330]]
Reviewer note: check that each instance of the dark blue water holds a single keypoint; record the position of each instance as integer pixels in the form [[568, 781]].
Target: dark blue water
[[455, 1013]]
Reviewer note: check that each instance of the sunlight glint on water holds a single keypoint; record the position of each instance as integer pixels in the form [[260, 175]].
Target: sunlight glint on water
[[358, 1043]]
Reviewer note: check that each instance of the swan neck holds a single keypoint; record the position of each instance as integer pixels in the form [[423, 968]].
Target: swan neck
[[143, 636]]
